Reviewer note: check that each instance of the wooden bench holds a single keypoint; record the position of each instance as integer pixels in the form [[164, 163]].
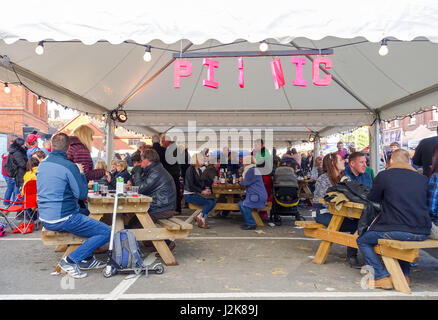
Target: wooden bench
[[231, 207], [164, 229], [409, 251], [390, 250], [167, 229]]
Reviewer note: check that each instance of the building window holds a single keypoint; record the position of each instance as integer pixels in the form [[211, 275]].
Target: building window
[[413, 121], [395, 123], [435, 114], [133, 142]]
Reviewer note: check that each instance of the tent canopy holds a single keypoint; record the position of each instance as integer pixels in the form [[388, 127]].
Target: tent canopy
[[93, 62]]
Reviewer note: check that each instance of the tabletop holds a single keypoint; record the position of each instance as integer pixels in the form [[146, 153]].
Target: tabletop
[[96, 199]]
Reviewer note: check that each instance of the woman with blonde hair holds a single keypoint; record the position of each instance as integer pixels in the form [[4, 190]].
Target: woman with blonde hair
[[195, 191], [121, 171], [81, 143], [79, 151]]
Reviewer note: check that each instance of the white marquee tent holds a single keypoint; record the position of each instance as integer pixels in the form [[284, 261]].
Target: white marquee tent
[[93, 61]]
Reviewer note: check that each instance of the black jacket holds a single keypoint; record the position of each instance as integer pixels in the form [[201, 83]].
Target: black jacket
[[402, 194], [423, 154], [208, 175], [172, 152], [20, 159], [358, 192], [193, 181], [154, 181]]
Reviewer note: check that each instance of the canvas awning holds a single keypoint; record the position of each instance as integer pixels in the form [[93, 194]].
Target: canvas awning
[[103, 67]]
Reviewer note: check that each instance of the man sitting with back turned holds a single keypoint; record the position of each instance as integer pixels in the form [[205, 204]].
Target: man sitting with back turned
[[404, 215], [60, 184]]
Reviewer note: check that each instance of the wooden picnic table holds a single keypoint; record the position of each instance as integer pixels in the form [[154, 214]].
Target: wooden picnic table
[[390, 250], [227, 197], [304, 190], [127, 207]]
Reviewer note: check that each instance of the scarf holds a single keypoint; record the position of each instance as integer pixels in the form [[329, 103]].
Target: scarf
[[401, 165], [246, 169]]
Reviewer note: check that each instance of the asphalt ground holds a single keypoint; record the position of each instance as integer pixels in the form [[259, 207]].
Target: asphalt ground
[[223, 262]]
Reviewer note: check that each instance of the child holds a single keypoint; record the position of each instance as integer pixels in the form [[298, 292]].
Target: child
[[121, 171]]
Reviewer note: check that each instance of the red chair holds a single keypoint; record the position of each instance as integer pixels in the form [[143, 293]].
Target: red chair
[[26, 206]]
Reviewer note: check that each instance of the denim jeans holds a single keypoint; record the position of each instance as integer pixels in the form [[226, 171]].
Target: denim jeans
[[348, 225], [98, 234], [369, 239], [207, 204], [247, 214], [11, 190]]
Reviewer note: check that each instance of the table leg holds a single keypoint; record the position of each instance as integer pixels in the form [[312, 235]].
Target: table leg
[[324, 247], [397, 276], [161, 246], [193, 215], [61, 248], [258, 220], [70, 249]]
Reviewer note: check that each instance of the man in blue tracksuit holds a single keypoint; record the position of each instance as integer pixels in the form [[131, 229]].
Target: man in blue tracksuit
[[60, 184]]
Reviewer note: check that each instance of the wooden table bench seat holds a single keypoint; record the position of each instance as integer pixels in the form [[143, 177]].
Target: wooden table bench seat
[[390, 250], [231, 207], [164, 229]]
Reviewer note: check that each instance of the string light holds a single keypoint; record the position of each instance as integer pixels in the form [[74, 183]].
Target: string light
[[263, 46], [7, 89], [383, 51], [147, 55], [40, 48], [39, 101]]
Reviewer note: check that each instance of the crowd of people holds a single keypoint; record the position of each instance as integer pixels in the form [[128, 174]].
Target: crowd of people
[[63, 167], [408, 201]]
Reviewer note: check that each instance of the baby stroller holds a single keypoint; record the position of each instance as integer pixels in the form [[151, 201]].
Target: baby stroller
[[286, 198]]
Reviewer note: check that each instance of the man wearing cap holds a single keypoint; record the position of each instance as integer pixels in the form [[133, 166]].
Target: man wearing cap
[[32, 141]]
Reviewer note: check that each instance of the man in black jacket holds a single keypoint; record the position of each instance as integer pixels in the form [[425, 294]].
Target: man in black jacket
[[168, 153], [404, 215], [154, 181], [423, 153]]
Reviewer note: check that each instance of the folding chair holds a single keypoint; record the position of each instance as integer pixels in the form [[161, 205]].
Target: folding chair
[[26, 206]]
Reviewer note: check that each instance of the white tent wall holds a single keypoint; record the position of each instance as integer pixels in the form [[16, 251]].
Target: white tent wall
[[93, 61]]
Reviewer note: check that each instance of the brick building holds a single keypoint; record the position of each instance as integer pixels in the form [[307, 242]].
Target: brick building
[[410, 130], [124, 141], [19, 110]]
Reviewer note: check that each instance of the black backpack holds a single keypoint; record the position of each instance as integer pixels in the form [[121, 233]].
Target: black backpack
[[10, 166]]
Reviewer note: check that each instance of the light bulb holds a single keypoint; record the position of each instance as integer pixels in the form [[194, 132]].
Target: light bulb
[[40, 48], [263, 46], [39, 100], [383, 51], [147, 55], [7, 89]]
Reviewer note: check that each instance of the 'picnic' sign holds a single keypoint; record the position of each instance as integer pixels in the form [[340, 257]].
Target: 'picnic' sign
[[183, 68]]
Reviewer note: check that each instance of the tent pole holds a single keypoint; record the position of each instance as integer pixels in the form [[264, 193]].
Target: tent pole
[[375, 145], [109, 144], [316, 147]]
